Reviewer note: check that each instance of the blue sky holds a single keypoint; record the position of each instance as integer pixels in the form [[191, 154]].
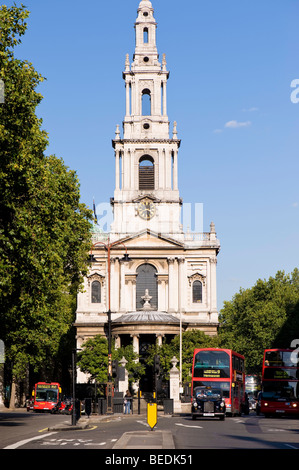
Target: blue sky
[[231, 66]]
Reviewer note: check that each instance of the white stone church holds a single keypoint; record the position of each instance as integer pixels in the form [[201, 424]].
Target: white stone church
[[169, 283]]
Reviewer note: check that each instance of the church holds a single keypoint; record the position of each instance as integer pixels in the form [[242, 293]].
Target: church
[[154, 279]]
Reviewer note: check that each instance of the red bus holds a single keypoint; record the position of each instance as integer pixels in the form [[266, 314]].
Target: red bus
[[46, 396], [224, 369], [280, 382]]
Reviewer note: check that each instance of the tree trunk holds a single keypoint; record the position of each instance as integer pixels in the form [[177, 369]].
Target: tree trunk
[[12, 395]]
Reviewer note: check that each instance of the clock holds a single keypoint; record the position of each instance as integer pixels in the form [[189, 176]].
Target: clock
[[146, 209]]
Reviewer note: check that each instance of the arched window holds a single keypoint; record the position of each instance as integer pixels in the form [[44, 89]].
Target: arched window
[[197, 292], [146, 279], [146, 102], [96, 292], [145, 35], [146, 172]]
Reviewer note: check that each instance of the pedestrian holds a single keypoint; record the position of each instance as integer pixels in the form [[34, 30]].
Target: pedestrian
[[127, 402]]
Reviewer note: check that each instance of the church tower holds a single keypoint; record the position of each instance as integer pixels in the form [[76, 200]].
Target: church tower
[[146, 169], [169, 284]]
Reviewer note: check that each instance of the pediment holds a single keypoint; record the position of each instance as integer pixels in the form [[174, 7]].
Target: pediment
[[147, 196], [150, 239]]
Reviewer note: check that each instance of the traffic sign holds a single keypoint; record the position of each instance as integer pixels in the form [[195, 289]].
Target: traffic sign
[[152, 415]]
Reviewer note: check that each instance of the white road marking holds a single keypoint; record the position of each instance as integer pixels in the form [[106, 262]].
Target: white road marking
[[25, 441], [188, 426], [95, 444], [143, 422]]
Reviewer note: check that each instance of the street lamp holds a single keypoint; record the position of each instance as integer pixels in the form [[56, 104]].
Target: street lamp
[[125, 258], [75, 412]]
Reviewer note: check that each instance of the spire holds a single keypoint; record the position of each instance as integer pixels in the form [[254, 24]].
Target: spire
[[146, 82], [146, 53]]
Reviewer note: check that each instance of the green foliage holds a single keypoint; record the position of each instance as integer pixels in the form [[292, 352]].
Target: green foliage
[[44, 229], [93, 360], [190, 340], [264, 316], [135, 368]]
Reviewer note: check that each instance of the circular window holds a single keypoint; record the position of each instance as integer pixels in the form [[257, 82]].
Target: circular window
[[145, 13], [146, 126], [146, 59]]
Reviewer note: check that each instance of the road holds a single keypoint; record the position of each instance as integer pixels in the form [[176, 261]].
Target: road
[[21, 430]]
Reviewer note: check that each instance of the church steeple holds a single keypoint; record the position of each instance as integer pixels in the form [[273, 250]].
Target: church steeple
[[146, 79], [146, 156], [145, 28]]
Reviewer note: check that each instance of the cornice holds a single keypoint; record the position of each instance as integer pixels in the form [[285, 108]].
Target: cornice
[[146, 141]]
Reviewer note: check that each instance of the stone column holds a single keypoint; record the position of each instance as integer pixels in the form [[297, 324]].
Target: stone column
[[122, 287], [128, 99], [174, 385], [159, 337], [213, 282], [175, 170], [168, 169], [114, 285], [181, 286], [123, 383], [162, 294], [164, 99], [135, 343], [116, 170], [134, 295], [171, 286], [117, 341]]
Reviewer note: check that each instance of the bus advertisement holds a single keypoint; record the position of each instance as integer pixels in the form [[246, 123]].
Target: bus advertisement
[[280, 382], [46, 396], [221, 369]]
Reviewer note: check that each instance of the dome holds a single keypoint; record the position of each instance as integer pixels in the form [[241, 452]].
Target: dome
[[142, 316], [145, 4]]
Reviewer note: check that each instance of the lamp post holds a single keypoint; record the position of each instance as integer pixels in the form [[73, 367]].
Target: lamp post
[[125, 258], [75, 411]]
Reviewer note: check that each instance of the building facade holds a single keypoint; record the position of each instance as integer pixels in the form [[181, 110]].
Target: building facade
[[169, 284]]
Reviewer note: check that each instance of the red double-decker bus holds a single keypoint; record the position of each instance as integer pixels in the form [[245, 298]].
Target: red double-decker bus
[[221, 369], [280, 382], [46, 396]]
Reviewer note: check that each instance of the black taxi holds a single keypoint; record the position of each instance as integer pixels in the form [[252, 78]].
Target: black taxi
[[208, 402]]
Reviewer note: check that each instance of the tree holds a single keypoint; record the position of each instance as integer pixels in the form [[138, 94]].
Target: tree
[[44, 229], [264, 316], [191, 340], [135, 368], [93, 359]]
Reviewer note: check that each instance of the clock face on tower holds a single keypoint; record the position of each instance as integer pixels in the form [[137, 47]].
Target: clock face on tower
[[146, 209]]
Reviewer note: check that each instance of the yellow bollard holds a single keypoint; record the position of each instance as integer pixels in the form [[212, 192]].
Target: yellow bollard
[[152, 415]]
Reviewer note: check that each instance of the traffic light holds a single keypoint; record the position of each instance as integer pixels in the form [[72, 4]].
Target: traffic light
[[114, 368], [157, 365]]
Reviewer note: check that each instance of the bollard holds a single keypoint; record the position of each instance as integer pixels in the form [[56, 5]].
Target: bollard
[[152, 415]]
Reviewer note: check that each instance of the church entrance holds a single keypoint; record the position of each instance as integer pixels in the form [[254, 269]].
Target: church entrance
[[147, 381]]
